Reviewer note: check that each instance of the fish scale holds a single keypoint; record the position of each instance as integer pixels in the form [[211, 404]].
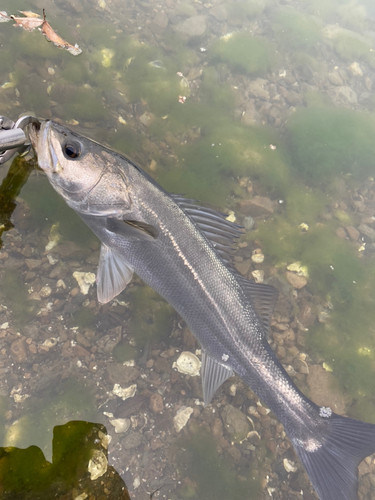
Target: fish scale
[[183, 252]]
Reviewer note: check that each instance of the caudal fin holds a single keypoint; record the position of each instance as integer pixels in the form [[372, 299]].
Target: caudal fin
[[332, 461]]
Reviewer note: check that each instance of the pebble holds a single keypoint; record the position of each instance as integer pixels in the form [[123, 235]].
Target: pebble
[[132, 441], [193, 26], [156, 403], [18, 350], [296, 281], [257, 206], [181, 418]]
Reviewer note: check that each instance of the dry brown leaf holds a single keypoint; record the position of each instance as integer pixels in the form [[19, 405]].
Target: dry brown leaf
[[53, 37], [28, 13], [32, 21], [27, 23]]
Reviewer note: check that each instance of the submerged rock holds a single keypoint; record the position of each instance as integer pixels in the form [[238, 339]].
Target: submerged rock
[[235, 422]]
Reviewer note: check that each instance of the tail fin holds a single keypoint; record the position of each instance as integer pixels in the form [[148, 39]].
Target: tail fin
[[331, 463]]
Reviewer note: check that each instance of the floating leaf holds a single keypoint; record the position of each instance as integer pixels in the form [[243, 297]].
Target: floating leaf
[[53, 37], [27, 23]]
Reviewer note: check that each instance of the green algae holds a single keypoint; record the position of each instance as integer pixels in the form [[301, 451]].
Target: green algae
[[245, 53], [295, 30], [326, 142], [50, 209], [350, 48], [14, 292], [208, 168], [125, 352], [240, 10], [210, 475], [151, 318], [84, 318]]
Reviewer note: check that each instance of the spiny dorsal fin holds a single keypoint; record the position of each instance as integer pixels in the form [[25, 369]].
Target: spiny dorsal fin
[[218, 230]]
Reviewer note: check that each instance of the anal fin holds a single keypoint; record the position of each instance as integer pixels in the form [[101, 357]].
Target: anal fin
[[213, 375]]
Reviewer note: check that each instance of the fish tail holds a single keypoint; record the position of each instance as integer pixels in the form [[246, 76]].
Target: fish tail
[[331, 460]]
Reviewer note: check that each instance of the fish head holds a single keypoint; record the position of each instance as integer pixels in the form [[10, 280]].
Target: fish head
[[84, 173]]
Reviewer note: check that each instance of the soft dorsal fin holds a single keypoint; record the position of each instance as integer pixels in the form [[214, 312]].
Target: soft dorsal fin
[[263, 297], [114, 273], [213, 375], [218, 230]]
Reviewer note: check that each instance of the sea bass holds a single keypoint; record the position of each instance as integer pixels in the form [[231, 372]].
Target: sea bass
[[182, 251]]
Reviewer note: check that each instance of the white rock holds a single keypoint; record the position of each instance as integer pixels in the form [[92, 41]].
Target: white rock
[[188, 364], [98, 464], [258, 275], [84, 280], [121, 425], [289, 466], [126, 393], [257, 257], [355, 69], [181, 418]]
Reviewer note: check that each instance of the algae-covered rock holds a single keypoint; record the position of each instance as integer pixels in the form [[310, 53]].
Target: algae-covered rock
[[244, 52], [325, 142], [235, 422]]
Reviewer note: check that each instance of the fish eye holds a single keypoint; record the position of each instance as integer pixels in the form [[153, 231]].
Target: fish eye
[[72, 149]]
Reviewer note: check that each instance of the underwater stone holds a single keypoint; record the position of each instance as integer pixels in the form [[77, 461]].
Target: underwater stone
[[188, 364], [97, 465], [193, 26], [181, 418], [355, 69], [367, 231], [353, 233], [296, 281], [124, 393], [257, 206], [289, 466], [335, 78], [235, 422], [219, 12], [18, 351], [258, 275], [84, 280], [348, 94], [324, 390], [121, 425]]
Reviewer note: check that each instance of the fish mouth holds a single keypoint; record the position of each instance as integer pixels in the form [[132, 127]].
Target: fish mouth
[[39, 135]]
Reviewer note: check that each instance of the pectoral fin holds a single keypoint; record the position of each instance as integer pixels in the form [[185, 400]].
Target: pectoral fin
[[114, 273], [213, 375], [132, 229]]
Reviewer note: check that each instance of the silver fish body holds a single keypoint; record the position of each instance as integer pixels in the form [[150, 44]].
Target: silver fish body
[[182, 251]]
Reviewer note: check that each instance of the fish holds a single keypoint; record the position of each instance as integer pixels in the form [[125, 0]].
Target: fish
[[184, 252]]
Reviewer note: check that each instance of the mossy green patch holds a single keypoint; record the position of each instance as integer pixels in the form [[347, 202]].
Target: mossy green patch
[[14, 291], [244, 52], [84, 317], [51, 208], [240, 10], [208, 169], [324, 142], [295, 30], [151, 318], [125, 352], [210, 475], [350, 48]]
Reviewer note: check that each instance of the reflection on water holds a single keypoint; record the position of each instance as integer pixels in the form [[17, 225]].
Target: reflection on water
[[78, 469], [260, 107]]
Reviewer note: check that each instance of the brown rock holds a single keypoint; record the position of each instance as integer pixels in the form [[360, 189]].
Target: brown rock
[[156, 443], [324, 389], [188, 339], [367, 231], [120, 374], [295, 280], [307, 314], [340, 232], [257, 206], [156, 403], [353, 233], [18, 350], [217, 428], [130, 406], [33, 263]]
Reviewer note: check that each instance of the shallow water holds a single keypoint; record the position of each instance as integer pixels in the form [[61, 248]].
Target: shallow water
[[225, 102]]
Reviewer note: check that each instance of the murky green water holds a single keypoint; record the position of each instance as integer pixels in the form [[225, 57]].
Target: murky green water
[[259, 107]]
